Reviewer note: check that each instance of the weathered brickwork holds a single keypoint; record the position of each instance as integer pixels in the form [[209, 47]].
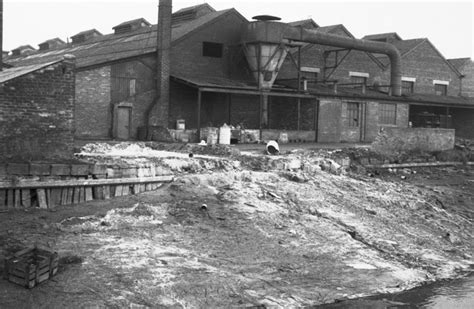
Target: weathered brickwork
[[426, 65], [37, 114], [468, 81], [93, 114]]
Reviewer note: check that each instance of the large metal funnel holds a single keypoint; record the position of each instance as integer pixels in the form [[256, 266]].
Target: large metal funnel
[[265, 51]]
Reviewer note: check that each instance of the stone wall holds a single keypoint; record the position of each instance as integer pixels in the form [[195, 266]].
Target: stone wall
[[390, 141], [37, 114]]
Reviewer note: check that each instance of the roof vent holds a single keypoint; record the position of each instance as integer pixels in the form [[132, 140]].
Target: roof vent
[[85, 36], [191, 13], [23, 50], [50, 44], [266, 18], [131, 25]]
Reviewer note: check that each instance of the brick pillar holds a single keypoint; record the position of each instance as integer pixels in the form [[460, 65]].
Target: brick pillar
[[160, 113]]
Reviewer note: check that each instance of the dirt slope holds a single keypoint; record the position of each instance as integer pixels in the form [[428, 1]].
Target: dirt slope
[[249, 231]]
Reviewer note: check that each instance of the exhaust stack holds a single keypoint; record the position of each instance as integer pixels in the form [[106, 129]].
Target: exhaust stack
[[159, 114]]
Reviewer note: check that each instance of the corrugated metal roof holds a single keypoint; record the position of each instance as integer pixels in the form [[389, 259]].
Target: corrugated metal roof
[[14, 72], [112, 47], [378, 36]]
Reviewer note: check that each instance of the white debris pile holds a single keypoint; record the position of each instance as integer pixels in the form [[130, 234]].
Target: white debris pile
[[127, 150]]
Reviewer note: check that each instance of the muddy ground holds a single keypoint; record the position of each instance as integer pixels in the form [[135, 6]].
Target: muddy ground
[[243, 231]]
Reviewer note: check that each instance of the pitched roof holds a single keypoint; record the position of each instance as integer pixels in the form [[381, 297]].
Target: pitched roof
[[381, 36], [133, 21], [459, 63], [86, 32], [305, 23], [195, 8], [14, 72], [333, 28], [112, 47]]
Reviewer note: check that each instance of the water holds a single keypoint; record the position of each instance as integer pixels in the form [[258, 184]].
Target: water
[[457, 294], [448, 294]]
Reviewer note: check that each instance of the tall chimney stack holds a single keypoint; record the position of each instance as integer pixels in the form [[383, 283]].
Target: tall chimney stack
[[160, 113]]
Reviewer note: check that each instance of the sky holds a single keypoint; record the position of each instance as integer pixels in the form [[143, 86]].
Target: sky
[[447, 24]]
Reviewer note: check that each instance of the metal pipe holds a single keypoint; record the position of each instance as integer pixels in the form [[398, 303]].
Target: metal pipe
[[1, 34], [311, 36]]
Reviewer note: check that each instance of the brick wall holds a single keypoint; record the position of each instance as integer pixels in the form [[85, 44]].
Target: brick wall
[[37, 114], [425, 64], [186, 55], [463, 122], [93, 114], [468, 80]]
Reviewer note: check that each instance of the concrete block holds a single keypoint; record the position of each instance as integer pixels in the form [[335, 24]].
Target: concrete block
[[3, 169], [129, 172], [79, 169], [60, 169], [18, 168], [100, 169], [38, 169]]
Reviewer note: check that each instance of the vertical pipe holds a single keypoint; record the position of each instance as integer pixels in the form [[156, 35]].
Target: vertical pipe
[[299, 68], [229, 105], [298, 126], [1, 34], [264, 110], [260, 114], [316, 120], [199, 115]]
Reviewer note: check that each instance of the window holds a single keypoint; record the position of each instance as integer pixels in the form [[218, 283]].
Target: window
[[388, 113], [441, 89], [353, 114], [212, 49], [132, 86], [407, 87], [359, 78]]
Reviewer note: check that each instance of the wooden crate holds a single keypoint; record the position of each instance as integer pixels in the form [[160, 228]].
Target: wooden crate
[[31, 266]]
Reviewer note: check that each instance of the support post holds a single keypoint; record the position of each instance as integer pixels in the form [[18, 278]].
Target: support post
[[299, 68], [298, 126], [199, 114], [229, 105], [316, 120]]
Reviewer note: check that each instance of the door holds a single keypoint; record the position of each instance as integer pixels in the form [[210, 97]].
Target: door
[[123, 123]]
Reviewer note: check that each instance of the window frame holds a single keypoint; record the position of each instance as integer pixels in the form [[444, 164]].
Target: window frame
[[444, 91], [387, 116], [411, 88], [212, 49]]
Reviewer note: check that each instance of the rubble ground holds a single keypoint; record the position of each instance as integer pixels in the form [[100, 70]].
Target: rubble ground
[[244, 230]]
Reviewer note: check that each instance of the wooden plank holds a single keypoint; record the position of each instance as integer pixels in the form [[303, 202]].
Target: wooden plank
[[142, 187], [3, 197], [76, 195], [82, 194], [17, 199], [118, 191], [70, 195], [55, 197], [81, 182], [26, 198], [106, 192], [125, 190], [135, 189], [98, 192], [41, 193], [64, 196], [148, 187], [48, 197], [10, 198], [88, 194]]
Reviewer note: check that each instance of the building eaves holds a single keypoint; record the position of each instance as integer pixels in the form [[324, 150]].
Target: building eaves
[[14, 72]]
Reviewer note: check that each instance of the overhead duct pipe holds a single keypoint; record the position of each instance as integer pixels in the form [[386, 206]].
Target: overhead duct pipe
[[261, 30]]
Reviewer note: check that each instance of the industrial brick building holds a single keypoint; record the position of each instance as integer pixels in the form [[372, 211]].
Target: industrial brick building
[[209, 62], [37, 110]]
